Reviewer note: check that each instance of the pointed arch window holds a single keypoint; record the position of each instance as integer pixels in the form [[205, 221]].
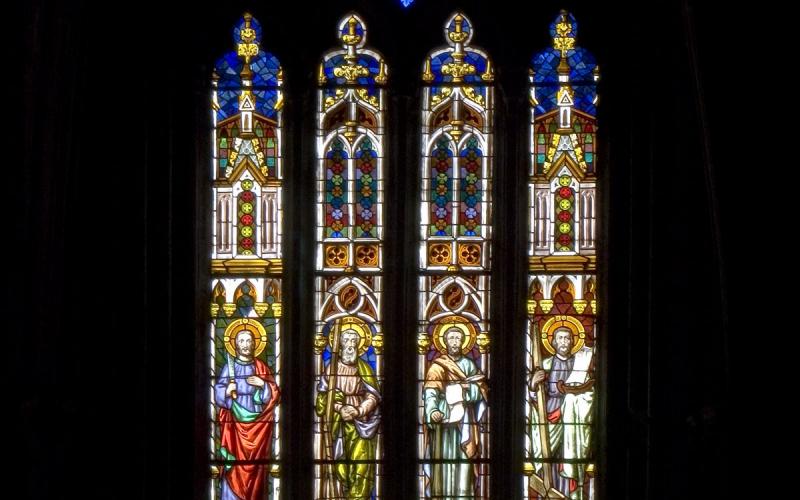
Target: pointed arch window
[[246, 267], [455, 263], [452, 323], [560, 411], [348, 355]]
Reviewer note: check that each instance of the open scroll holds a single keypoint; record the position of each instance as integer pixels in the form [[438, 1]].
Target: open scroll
[[454, 395], [580, 368]]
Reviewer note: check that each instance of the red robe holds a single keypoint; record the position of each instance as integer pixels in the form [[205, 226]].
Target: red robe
[[249, 441]]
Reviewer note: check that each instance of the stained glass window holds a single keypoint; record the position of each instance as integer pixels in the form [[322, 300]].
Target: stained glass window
[[348, 356], [245, 331], [454, 257], [562, 281]]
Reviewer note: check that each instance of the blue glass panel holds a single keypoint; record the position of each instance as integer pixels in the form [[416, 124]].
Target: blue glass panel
[[479, 62], [368, 61], [264, 66], [545, 65], [228, 103], [441, 58], [584, 98], [545, 80]]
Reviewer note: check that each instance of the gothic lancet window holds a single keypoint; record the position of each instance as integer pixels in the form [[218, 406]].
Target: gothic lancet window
[[348, 343], [245, 332], [343, 435], [560, 411], [455, 264]]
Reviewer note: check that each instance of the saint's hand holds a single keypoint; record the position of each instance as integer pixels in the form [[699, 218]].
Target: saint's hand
[[231, 389], [437, 416], [538, 376], [256, 381], [348, 412]]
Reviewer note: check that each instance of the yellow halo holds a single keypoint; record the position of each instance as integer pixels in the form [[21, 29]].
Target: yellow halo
[[255, 328], [570, 323], [352, 323], [462, 324]]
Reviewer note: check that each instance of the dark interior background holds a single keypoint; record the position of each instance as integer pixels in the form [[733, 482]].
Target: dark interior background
[[106, 186]]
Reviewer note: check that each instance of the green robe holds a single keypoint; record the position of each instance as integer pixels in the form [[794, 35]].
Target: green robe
[[355, 440]]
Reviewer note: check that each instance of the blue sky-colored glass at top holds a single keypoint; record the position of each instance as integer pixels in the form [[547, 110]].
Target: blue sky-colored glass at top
[[440, 58], [366, 60], [264, 66], [581, 63]]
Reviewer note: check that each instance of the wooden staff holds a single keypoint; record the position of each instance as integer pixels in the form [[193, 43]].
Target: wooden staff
[[437, 457], [331, 485], [541, 407]]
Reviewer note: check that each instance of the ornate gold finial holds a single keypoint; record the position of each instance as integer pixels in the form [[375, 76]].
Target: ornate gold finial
[[350, 73], [248, 34], [563, 41], [247, 48], [380, 79], [351, 38], [564, 27], [352, 70], [427, 74], [321, 75], [488, 75], [458, 70], [458, 36]]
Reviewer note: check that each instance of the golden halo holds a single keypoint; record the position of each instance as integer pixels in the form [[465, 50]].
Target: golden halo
[[356, 324], [255, 328], [568, 322], [462, 324]]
